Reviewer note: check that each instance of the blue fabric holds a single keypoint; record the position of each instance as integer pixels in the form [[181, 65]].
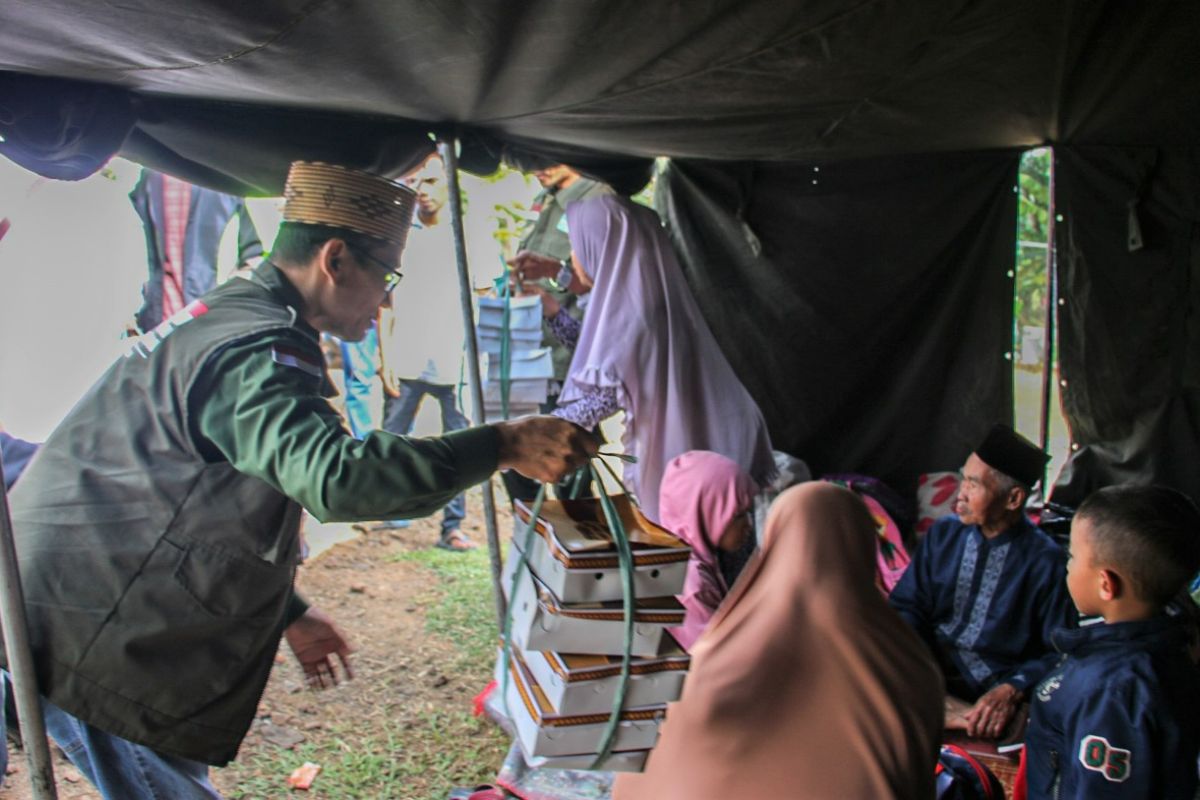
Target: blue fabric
[[398, 415], [360, 364], [16, 454], [987, 608], [1118, 716], [209, 213], [120, 769]]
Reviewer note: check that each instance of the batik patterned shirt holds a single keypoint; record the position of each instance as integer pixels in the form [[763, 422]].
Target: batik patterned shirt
[[987, 607]]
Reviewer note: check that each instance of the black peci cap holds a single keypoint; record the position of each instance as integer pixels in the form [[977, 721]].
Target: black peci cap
[[1007, 451]]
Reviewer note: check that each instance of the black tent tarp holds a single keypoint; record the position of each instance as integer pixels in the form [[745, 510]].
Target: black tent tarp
[[1130, 316], [858, 360], [866, 304]]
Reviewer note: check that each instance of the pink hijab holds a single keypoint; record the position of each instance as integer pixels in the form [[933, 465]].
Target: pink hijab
[[643, 335], [701, 494], [806, 684]]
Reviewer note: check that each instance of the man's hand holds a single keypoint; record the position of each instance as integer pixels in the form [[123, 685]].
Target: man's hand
[[992, 712], [544, 448], [315, 640], [531, 266]]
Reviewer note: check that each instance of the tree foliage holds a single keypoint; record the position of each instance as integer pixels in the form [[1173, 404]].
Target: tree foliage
[[1033, 210]]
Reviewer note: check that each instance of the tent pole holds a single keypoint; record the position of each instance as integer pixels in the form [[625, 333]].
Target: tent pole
[[447, 150], [20, 663], [1051, 327]]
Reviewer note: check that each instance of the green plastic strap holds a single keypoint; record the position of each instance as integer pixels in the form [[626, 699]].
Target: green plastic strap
[[506, 347], [625, 557], [506, 653]]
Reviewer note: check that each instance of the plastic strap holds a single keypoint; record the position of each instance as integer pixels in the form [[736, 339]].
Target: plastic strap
[[506, 346], [506, 653], [625, 557]]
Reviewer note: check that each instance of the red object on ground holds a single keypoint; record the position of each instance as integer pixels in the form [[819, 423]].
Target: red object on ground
[[477, 705], [303, 776]]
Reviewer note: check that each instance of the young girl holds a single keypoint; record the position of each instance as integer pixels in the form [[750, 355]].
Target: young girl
[[707, 500]]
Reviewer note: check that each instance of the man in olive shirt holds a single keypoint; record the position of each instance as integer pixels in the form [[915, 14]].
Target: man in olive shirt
[[561, 186], [157, 527], [547, 242]]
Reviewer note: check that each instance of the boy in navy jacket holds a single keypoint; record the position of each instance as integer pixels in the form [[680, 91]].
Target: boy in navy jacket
[[1117, 717]]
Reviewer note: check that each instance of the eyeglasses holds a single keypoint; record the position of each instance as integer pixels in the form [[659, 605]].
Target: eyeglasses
[[391, 276]]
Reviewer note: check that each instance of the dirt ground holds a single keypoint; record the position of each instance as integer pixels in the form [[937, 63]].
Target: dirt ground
[[402, 728]]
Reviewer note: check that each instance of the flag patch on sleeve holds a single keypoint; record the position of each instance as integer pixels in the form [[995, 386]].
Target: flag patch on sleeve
[[297, 359]]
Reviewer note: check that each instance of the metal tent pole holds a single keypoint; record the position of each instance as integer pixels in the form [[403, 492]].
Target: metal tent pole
[[448, 152], [20, 662]]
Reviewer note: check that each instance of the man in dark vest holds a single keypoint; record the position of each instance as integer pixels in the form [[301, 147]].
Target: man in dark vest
[[157, 527]]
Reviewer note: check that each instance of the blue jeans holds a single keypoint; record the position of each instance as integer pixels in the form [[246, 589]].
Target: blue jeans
[[120, 769], [360, 363], [398, 415]]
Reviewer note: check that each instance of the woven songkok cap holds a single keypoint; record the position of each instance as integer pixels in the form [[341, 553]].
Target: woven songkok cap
[[326, 194], [1007, 451]]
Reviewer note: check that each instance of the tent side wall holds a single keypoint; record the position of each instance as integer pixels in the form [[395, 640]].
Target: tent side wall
[[1130, 320], [867, 305]]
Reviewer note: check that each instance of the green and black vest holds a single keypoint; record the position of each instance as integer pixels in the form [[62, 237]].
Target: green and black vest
[[156, 579]]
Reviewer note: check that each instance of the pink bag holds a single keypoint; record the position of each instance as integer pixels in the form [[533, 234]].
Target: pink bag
[[891, 559]]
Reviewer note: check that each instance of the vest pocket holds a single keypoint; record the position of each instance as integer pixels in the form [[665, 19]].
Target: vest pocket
[[191, 631], [229, 585]]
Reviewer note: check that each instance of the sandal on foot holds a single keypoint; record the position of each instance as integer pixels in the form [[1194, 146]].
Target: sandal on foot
[[456, 541]]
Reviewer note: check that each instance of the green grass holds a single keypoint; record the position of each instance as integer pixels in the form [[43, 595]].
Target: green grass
[[397, 754], [462, 610], [401, 759]]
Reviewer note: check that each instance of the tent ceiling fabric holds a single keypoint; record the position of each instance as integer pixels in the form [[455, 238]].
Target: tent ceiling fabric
[[723, 79], [915, 111]]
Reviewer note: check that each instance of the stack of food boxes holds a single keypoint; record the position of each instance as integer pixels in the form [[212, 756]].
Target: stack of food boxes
[[531, 367], [568, 634]]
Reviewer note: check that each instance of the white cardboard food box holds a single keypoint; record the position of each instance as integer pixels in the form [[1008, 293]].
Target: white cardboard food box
[[627, 761], [543, 731], [587, 684], [536, 363], [520, 390], [541, 622], [491, 413], [525, 313], [574, 556], [490, 340]]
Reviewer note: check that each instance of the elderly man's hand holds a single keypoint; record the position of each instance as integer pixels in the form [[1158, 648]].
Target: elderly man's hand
[[530, 266], [992, 712], [544, 448]]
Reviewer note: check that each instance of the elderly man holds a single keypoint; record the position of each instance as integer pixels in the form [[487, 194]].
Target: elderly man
[[986, 587], [157, 527]]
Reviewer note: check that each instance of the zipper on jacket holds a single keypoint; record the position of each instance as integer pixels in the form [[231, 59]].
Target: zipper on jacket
[[1056, 786]]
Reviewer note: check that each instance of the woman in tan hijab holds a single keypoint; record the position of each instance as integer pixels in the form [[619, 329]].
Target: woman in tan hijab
[[806, 685]]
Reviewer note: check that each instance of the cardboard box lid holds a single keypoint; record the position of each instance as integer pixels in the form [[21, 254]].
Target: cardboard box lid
[[545, 715], [581, 667], [653, 610], [578, 536]]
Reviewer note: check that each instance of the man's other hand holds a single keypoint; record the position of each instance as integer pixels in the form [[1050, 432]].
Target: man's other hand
[[992, 712], [315, 639], [544, 448]]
